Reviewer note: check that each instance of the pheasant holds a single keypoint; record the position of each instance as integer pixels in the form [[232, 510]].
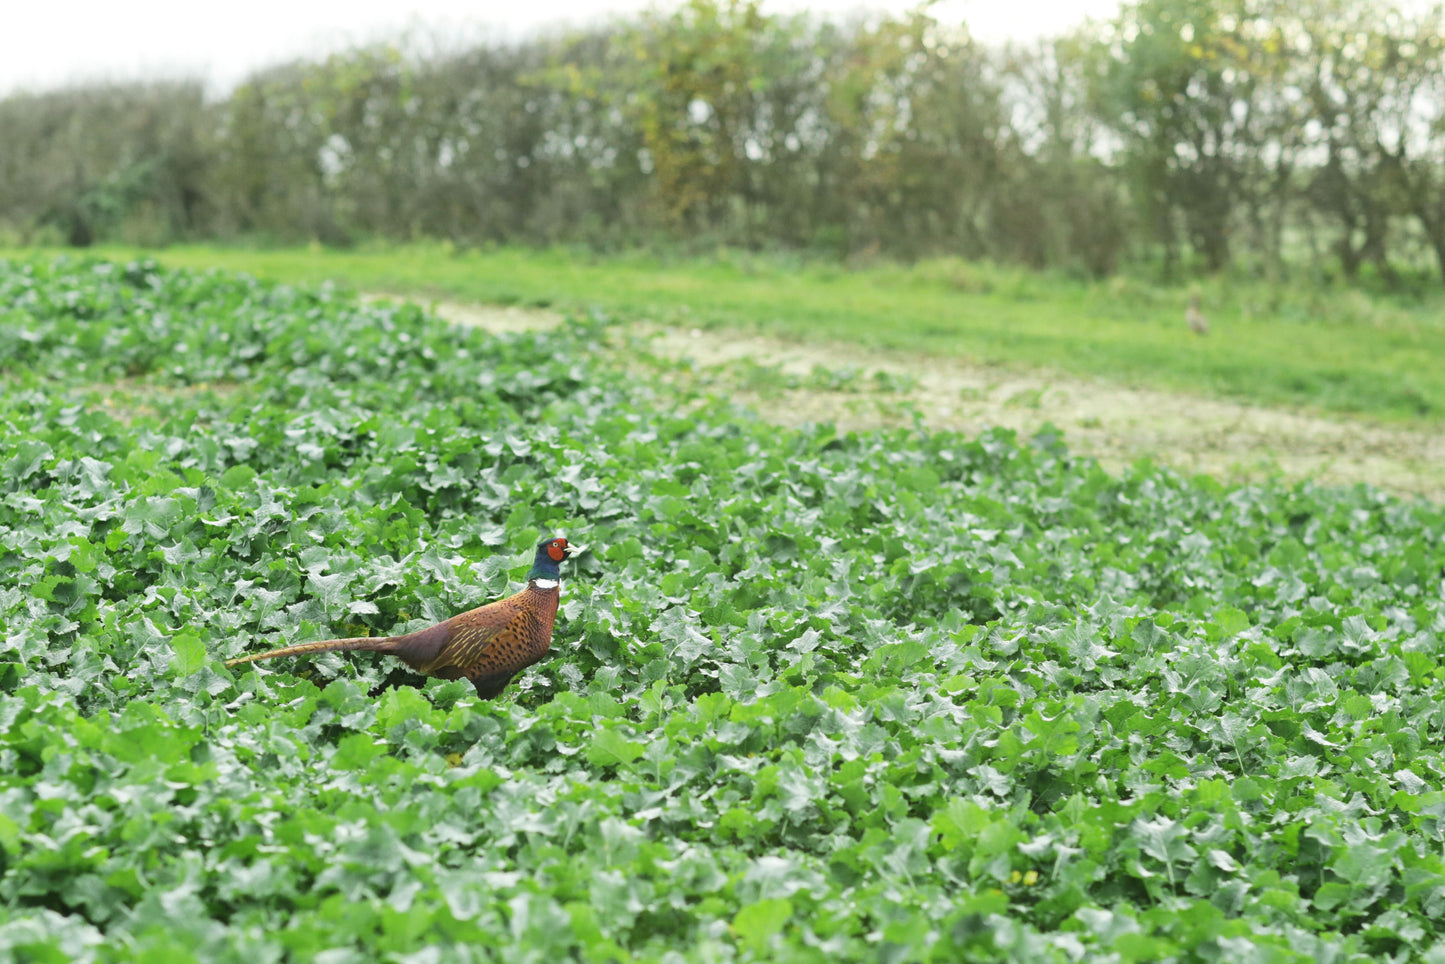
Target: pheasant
[[1194, 318], [488, 645]]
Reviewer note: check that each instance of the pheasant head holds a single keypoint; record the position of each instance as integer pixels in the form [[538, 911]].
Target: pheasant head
[[546, 569]]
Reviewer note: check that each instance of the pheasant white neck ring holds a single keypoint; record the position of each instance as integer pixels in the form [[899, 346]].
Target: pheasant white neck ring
[[545, 583]]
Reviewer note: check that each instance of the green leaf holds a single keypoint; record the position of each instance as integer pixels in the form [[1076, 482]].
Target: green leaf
[[190, 653], [756, 924], [1229, 621], [9, 835], [607, 747]]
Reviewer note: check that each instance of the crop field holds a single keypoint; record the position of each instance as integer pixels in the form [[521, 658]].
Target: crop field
[[886, 695]]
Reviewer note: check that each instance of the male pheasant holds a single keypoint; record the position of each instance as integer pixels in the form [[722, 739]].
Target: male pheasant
[[488, 645]]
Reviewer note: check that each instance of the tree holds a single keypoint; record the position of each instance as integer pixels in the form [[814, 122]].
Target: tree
[[1060, 202], [1172, 80], [1410, 57]]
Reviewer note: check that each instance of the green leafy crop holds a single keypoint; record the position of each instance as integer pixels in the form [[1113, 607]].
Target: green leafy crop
[[886, 696]]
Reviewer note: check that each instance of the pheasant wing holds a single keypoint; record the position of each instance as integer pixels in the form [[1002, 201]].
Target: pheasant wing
[[491, 655]]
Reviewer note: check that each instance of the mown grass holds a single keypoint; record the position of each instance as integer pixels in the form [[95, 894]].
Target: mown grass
[[1328, 348]]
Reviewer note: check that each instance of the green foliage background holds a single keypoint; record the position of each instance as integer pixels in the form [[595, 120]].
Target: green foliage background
[[813, 696]]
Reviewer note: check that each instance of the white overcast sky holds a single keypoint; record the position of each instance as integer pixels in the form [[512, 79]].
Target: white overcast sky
[[49, 44]]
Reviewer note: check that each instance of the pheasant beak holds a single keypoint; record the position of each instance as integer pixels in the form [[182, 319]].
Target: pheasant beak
[[574, 551]]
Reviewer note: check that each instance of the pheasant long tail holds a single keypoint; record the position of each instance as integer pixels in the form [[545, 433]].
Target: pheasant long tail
[[384, 644]]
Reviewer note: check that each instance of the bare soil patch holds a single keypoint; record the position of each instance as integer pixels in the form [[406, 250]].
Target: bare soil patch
[[499, 318], [790, 383], [130, 399]]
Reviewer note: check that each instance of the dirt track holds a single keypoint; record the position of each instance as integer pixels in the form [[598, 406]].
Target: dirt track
[[790, 383]]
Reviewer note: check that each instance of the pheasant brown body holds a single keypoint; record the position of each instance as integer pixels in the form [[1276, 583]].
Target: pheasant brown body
[[488, 645]]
